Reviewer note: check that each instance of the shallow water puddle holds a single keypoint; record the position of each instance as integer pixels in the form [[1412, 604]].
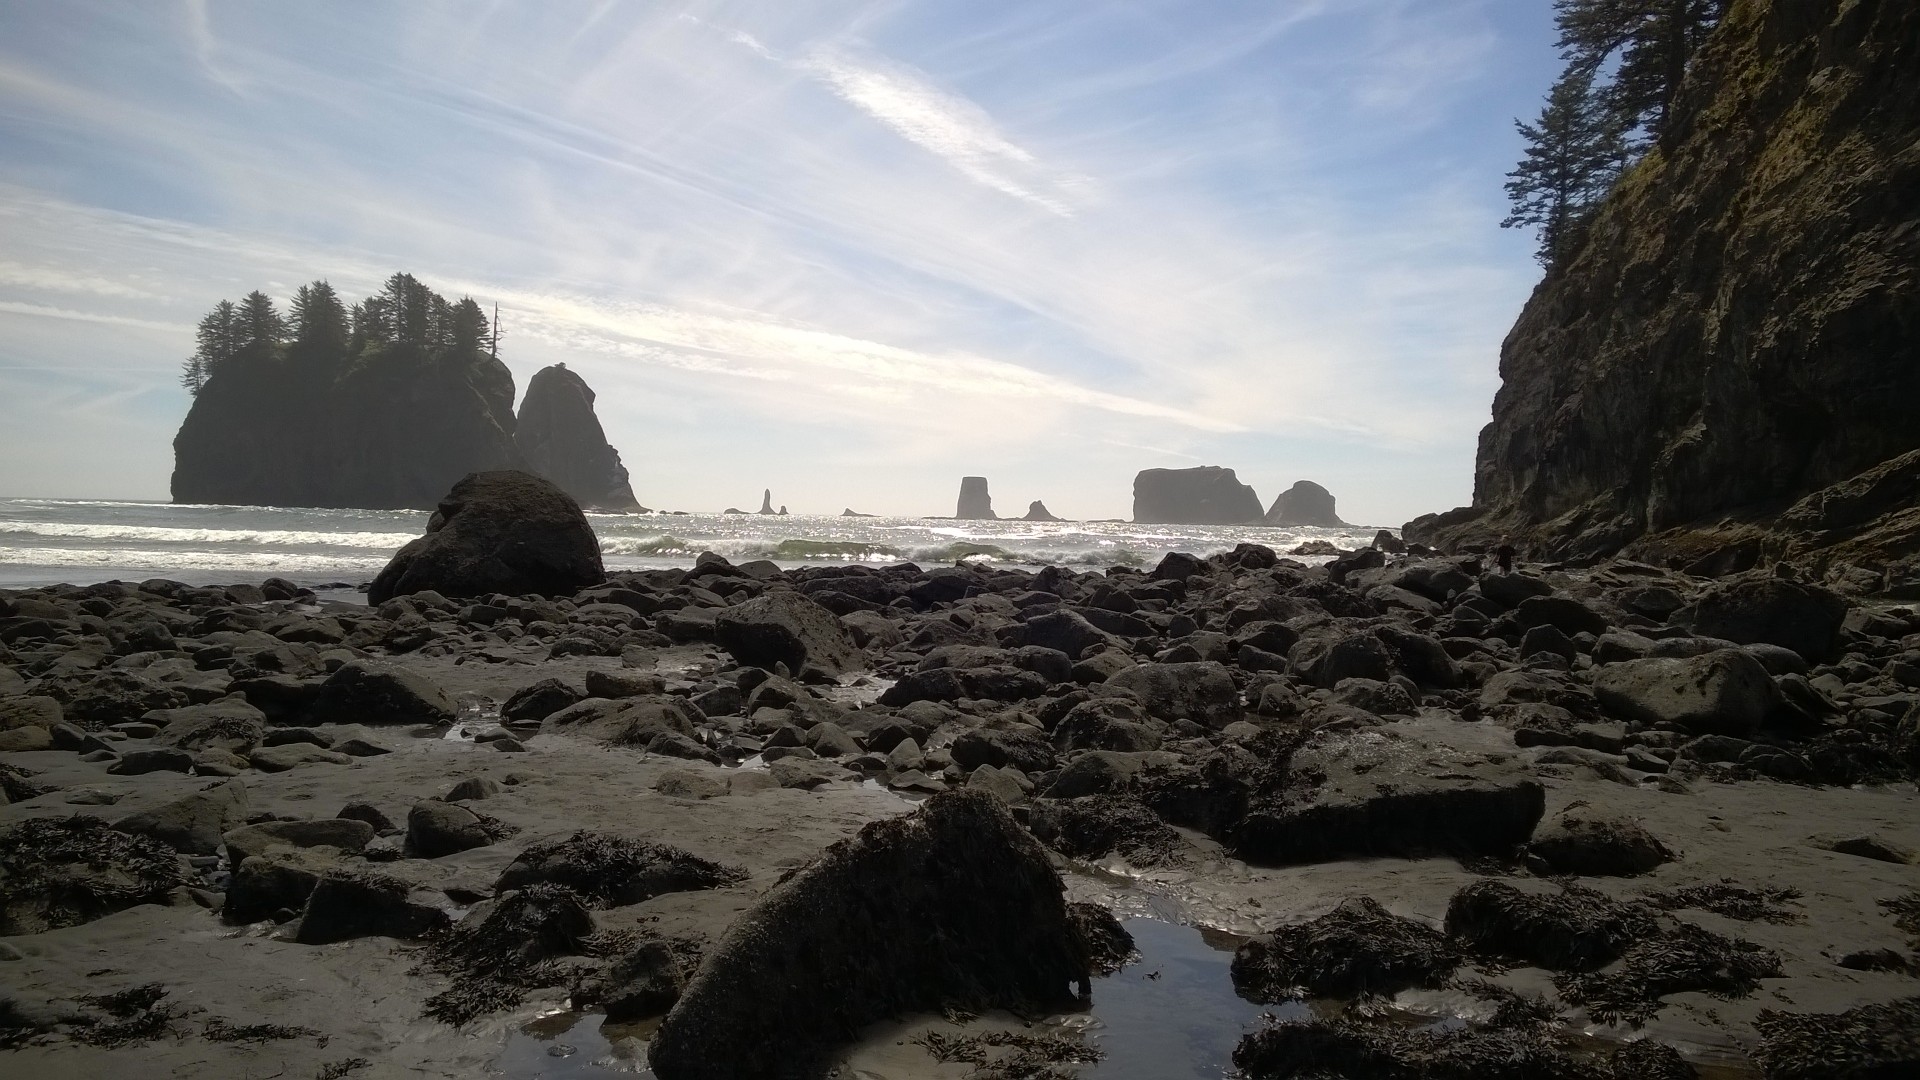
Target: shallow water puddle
[[576, 1046], [1173, 1014]]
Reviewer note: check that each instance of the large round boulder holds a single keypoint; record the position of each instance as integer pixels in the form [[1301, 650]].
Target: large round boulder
[[498, 532], [1725, 692]]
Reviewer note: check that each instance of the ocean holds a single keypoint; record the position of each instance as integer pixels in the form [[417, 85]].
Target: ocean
[[47, 541]]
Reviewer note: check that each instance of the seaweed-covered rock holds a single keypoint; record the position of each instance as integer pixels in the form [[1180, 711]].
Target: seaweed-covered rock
[[786, 628], [1357, 948], [505, 947], [497, 532], [952, 906], [347, 903], [1871, 1042], [1568, 929], [228, 724], [57, 872], [436, 828], [1680, 958], [1099, 825], [1324, 1049], [1576, 843], [615, 870]]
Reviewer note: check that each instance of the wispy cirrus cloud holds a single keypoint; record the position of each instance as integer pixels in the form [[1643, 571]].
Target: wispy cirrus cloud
[[789, 240], [949, 126]]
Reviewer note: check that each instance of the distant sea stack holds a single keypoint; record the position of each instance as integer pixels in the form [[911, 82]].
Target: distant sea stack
[[562, 440], [383, 407], [1726, 370], [975, 503], [1207, 495], [766, 502], [1037, 511], [1305, 503]]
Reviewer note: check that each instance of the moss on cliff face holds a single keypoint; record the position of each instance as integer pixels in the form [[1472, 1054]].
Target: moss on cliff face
[[1742, 327]]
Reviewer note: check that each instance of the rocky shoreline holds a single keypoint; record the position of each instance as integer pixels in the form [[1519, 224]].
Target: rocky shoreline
[[248, 831]]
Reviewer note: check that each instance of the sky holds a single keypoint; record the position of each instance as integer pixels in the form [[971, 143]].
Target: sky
[[849, 250]]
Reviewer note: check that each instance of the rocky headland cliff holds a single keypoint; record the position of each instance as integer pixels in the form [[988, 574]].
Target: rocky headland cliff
[[562, 440], [1305, 503], [1207, 495], [1726, 372], [381, 406]]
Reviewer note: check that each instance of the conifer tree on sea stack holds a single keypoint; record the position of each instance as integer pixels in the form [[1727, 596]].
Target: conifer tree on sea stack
[[261, 324], [319, 320], [468, 328], [215, 341]]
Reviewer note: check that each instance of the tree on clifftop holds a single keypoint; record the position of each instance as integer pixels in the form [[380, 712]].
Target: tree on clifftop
[[216, 340], [261, 324], [1625, 61], [405, 321], [1572, 157], [1649, 44], [319, 319]]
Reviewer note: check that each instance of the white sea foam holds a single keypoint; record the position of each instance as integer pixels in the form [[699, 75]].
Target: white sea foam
[[18, 531], [52, 539]]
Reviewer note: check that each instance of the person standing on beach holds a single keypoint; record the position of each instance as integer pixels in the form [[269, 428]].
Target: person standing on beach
[[1504, 553]]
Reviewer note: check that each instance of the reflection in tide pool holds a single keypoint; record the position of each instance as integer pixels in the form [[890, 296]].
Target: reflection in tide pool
[[1172, 1015]]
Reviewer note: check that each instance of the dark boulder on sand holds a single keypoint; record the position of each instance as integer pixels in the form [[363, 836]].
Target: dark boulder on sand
[[1207, 495], [370, 692], [953, 906], [497, 532], [1371, 794], [562, 440], [192, 824], [786, 628]]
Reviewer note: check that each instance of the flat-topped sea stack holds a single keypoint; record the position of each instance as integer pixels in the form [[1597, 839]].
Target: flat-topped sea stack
[[1305, 503], [1725, 371], [1207, 495], [561, 437], [975, 503]]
